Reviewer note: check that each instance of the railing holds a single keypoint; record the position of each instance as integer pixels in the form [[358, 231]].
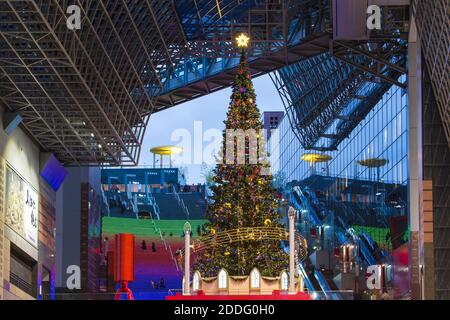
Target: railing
[[173, 258], [152, 201], [167, 247], [21, 284], [305, 203], [208, 193], [180, 202], [134, 204], [302, 272], [329, 294], [363, 247], [173, 292]]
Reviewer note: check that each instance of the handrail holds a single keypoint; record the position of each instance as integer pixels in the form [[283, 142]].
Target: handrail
[[180, 202], [185, 209], [21, 284], [134, 204], [105, 201], [173, 292], [302, 272], [312, 213], [167, 247], [152, 201], [325, 286]]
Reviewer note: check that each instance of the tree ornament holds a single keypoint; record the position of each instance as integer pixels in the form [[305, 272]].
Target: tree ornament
[[243, 40]]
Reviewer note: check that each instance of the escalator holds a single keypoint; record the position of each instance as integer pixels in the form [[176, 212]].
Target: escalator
[[311, 284], [341, 238], [302, 202], [364, 249], [308, 283], [325, 287], [366, 245], [316, 281]]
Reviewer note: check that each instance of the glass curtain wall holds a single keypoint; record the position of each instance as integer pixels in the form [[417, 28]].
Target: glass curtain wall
[[381, 135]]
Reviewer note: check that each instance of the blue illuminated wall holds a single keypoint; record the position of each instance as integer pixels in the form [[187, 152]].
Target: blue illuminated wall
[[53, 172]]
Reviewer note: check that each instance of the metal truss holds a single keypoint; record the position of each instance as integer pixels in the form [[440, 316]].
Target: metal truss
[[85, 95], [367, 97], [433, 24], [197, 16], [314, 92], [380, 59], [384, 53], [282, 32], [327, 96]]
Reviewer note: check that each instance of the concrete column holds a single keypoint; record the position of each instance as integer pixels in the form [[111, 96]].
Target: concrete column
[[291, 215], [187, 258], [415, 159]]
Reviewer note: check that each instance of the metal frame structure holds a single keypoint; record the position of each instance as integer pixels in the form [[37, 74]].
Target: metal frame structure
[[327, 96], [282, 32], [86, 95]]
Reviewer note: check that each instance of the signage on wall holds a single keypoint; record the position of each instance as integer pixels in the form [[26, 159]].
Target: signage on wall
[[22, 205]]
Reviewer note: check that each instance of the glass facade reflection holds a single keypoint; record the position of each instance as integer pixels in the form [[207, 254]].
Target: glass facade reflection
[[381, 135], [351, 203]]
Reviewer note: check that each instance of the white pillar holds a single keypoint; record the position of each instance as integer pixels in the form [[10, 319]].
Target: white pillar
[[187, 256], [291, 215]]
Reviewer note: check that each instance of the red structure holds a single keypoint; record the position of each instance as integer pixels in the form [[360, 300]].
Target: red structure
[[124, 264], [276, 295]]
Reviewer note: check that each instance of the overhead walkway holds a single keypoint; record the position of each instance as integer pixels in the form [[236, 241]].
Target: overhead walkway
[[282, 33]]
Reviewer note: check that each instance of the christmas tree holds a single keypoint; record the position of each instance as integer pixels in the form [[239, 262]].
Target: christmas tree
[[244, 198]]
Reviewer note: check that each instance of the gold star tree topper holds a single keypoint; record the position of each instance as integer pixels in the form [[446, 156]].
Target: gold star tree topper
[[243, 41]]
